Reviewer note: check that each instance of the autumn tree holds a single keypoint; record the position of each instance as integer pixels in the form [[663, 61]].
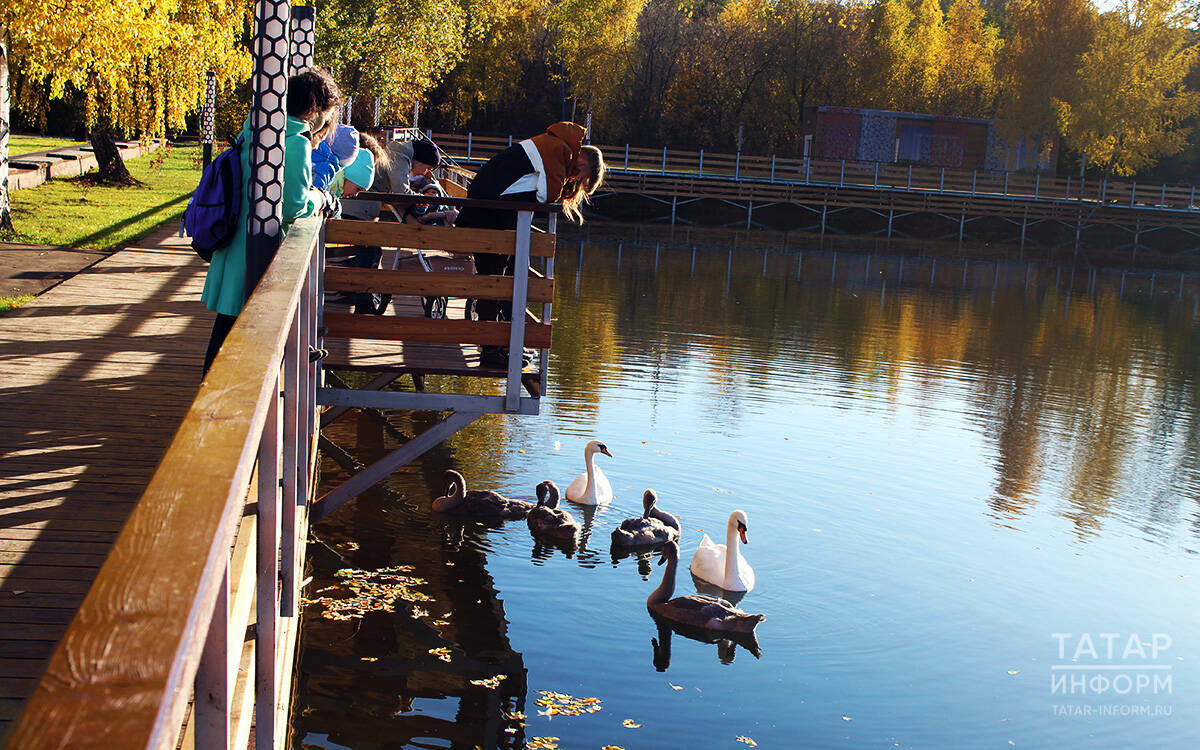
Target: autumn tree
[[1040, 65], [966, 84], [593, 38], [1132, 103], [396, 50], [139, 63]]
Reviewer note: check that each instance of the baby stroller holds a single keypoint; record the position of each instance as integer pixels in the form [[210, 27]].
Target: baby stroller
[[435, 307]]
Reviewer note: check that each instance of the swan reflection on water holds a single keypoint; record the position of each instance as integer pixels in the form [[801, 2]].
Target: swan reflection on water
[[644, 556], [704, 587], [726, 642]]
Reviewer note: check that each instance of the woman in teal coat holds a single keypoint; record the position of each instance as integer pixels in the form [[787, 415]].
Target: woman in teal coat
[[312, 98]]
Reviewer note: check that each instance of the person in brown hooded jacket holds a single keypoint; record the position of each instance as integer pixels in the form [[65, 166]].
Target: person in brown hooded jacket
[[551, 167]]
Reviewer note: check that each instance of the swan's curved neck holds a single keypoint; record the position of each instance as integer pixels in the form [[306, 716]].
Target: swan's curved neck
[[731, 551], [452, 500], [591, 470], [666, 518], [666, 589]]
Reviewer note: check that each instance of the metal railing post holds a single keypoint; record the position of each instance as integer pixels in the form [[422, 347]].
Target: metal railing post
[[876, 183], [516, 337], [1067, 195], [547, 307], [807, 169], [214, 686], [842, 175], [664, 161], [1006, 173], [626, 157], [266, 677], [468, 146], [1132, 192], [737, 165], [1103, 189], [909, 177], [1037, 184], [1162, 201], [291, 459], [974, 177], [772, 167], [942, 182], [701, 162]]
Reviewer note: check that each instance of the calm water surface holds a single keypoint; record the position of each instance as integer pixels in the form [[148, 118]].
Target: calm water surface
[[964, 484]]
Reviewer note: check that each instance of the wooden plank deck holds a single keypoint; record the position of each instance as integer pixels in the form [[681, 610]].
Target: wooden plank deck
[[97, 374]]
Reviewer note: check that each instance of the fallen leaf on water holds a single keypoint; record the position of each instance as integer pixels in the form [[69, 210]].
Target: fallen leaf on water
[[561, 704], [747, 741], [631, 724], [723, 492], [490, 682], [442, 653], [417, 613], [542, 743], [1014, 671], [847, 718], [612, 747], [369, 658], [674, 686]]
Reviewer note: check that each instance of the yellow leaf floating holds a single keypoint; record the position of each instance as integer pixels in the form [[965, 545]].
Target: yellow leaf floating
[[542, 743], [442, 653], [631, 724], [847, 718], [747, 741], [674, 686], [612, 747], [1014, 671], [490, 682], [363, 591], [369, 658], [561, 704]]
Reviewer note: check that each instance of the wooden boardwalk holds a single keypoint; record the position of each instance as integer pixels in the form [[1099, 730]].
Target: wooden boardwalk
[[97, 374]]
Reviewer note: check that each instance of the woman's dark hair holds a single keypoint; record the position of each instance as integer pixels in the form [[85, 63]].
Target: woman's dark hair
[[311, 95]]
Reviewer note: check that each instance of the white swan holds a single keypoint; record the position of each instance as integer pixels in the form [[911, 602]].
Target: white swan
[[722, 564], [591, 487]]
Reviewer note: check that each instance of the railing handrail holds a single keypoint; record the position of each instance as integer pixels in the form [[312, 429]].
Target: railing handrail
[[123, 672], [404, 199]]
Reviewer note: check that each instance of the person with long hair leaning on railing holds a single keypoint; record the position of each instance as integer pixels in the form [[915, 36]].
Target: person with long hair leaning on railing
[[312, 100], [550, 168]]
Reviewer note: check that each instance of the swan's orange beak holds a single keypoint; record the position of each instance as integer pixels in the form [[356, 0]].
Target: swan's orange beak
[[605, 451], [742, 532]]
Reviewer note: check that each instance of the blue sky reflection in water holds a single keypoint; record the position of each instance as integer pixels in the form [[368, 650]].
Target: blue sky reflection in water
[[946, 471]]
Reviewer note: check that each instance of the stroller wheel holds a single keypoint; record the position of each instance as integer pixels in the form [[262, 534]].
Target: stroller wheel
[[435, 307]]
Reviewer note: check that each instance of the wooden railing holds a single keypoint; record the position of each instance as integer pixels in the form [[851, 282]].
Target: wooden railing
[[213, 545], [525, 287], [472, 148]]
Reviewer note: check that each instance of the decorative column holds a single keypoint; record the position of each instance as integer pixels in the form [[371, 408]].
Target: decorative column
[[349, 108], [376, 113], [416, 114], [268, 121], [304, 35], [207, 113]]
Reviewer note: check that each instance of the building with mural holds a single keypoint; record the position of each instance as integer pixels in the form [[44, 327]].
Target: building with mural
[[878, 135]]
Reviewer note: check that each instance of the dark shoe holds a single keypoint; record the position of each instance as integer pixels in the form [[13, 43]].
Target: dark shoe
[[494, 356]]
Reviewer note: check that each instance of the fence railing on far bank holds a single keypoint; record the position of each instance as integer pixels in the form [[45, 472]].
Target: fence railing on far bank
[[474, 149]]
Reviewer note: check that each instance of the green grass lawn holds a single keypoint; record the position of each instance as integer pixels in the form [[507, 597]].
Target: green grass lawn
[[71, 213], [12, 303], [29, 144]]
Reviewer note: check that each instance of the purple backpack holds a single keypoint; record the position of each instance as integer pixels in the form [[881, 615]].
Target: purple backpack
[[211, 217]]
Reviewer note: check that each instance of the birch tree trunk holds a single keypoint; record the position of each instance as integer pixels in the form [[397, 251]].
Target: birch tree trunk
[[5, 110]]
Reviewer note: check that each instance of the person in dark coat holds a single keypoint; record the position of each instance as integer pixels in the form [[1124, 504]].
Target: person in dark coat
[[549, 168]]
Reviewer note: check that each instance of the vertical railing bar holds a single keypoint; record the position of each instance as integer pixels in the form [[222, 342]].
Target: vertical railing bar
[[547, 308], [214, 684], [266, 680], [293, 438], [626, 157], [516, 337], [306, 394], [701, 170]]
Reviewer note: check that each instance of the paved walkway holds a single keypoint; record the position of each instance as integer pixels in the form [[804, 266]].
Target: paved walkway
[[97, 373]]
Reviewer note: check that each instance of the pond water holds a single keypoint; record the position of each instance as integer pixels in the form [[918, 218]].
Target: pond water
[[972, 490]]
